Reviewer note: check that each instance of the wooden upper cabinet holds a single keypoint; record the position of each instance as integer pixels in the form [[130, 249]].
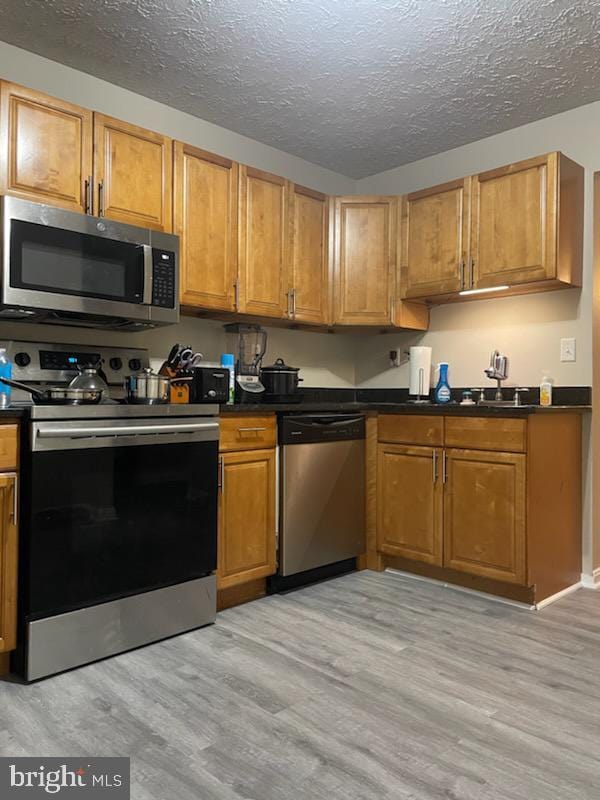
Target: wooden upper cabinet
[[435, 239], [247, 547], [263, 242], [205, 218], [8, 563], [484, 514], [527, 223], [364, 260], [132, 173], [308, 255], [46, 148], [409, 502]]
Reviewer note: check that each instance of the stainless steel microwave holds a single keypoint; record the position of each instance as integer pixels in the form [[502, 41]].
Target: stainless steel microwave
[[75, 269]]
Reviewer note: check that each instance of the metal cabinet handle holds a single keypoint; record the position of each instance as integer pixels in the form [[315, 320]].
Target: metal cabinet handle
[[472, 273], [221, 478], [250, 430], [444, 467], [101, 199], [236, 297], [15, 496], [434, 463], [294, 303], [88, 195], [461, 266], [288, 312]]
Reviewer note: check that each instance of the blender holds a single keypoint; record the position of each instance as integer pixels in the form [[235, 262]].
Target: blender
[[251, 344]]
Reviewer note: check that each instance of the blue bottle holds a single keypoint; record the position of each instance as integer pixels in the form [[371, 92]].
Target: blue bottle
[[5, 372], [442, 392]]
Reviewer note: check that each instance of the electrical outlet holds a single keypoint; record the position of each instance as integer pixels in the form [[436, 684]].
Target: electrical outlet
[[394, 358], [568, 351]]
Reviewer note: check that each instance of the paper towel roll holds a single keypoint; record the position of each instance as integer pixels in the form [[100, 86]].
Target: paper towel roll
[[420, 370]]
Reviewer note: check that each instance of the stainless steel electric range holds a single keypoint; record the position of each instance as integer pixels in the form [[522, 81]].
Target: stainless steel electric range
[[118, 516]]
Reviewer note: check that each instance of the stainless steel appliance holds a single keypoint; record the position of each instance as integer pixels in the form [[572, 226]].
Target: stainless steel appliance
[[118, 518], [74, 269], [497, 371], [322, 508], [251, 347]]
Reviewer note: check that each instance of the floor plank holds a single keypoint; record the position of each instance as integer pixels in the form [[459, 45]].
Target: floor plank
[[372, 686]]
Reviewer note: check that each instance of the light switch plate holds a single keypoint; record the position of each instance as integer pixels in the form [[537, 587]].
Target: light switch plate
[[568, 351]]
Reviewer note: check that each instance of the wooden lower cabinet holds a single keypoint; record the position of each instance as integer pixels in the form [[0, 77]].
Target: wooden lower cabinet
[[247, 543], [493, 504], [409, 502], [484, 514], [8, 562]]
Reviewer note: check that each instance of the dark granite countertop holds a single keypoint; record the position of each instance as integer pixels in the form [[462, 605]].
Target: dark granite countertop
[[14, 412], [451, 409]]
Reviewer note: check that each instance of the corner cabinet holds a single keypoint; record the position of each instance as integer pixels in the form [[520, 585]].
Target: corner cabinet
[[364, 260], [132, 173], [482, 502], [46, 148], [263, 242], [247, 486], [205, 218]]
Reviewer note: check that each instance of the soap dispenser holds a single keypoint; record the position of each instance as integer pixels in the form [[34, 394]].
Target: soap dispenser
[[442, 392]]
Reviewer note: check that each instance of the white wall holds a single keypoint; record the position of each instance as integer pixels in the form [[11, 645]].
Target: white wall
[[528, 329], [325, 360]]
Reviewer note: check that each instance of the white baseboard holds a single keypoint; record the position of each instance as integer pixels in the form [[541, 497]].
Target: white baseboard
[[457, 588], [554, 597], [591, 581]]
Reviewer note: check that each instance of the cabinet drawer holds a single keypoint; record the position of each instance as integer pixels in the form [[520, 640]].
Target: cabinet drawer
[[411, 429], [482, 433], [248, 432], [8, 446]]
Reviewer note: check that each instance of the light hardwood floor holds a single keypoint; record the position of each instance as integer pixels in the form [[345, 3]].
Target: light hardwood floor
[[371, 686]]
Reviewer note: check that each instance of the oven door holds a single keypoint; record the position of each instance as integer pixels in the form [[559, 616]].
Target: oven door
[[117, 508], [60, 261]]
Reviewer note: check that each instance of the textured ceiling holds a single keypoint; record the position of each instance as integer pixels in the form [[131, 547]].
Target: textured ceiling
[[358, 86]]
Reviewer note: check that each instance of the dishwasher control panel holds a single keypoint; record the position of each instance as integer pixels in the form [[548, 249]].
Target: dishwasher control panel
[[314, 428]]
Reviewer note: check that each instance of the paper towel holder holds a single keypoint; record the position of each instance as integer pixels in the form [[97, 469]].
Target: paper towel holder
[[422, 395]]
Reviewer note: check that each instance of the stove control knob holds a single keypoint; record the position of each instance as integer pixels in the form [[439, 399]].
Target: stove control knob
[[115, 363], [22, 359], [135, 364]]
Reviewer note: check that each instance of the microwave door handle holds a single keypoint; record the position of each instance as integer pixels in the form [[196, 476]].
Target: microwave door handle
[[148, 274]]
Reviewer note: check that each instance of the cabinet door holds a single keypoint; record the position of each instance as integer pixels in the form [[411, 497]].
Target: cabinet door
[[409, 502], [246, 517], [513, 228], [434, 240], [46, 148], [308, 272], [132, 172], [205, 218], [8, 563], [364, 260], [263, 243], [484, 514]]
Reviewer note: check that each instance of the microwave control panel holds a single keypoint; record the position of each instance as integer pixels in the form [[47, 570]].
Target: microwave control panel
[[163, 278]]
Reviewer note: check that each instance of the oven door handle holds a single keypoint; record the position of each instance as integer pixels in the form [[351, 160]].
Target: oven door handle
[[148, 274], [72, 432]]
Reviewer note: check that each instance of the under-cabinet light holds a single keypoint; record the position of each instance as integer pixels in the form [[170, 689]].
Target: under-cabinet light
[[485, 291]]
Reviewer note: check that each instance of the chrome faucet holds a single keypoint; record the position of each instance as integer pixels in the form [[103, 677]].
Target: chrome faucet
[[497, 371]]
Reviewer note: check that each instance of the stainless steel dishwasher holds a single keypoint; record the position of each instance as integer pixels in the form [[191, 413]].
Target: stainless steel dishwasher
[[322, 496]]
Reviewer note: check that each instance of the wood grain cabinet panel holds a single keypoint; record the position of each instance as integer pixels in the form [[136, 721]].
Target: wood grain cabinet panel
[[133, 173], [308, 256], [364, 260], [484, 514], [46, 148], [435, 237], [409, 502], [247, 547], [8, 563], [205, 218], [483, 433], [263, 243], [247, 432], [421, 429]]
